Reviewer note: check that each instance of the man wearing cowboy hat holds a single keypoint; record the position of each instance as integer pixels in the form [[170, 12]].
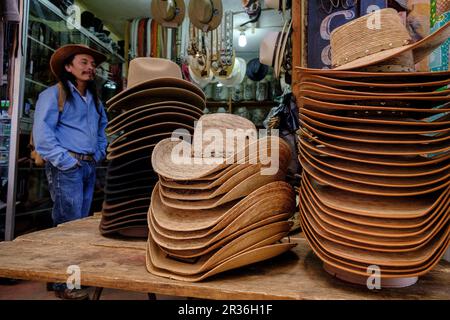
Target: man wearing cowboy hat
[[70, 136]]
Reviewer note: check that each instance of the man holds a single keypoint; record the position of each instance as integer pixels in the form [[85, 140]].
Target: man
[[71, 139]]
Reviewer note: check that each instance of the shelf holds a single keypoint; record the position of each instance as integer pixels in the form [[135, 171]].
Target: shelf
[[41, 43], [36, 83], [85, 32]]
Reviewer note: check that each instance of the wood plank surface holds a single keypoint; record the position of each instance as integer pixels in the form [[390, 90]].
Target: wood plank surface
[[120, 264]]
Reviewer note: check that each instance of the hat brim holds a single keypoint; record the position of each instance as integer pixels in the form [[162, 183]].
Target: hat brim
[[332, 151], [148, 109], [64, 52], [156, 83], [421, 49], [360, 90], [159, 94], [366, 85], [258, 237], [237, 76], [281, 49], [239, 260], [148, 133], [144, 120]]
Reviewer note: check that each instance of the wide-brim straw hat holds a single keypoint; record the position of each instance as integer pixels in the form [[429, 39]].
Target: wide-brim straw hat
[[201, 81], [377, 77], [63, 53], [219, 123], [140, 110], [237, 75], [343, 267], [265, 235], [148, 73], [179, 241], [215, 219], [386, 242], [132, 127], [248, 257], [156, 95], [205, 15], [375, 87], [360, 90], [377, 37], [129, 230], [201, 223], [166, 14]]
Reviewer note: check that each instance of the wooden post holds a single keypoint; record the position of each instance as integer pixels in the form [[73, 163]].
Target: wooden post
[[298, 47]]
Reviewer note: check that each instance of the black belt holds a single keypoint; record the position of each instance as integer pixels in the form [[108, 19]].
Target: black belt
[[81, 157]]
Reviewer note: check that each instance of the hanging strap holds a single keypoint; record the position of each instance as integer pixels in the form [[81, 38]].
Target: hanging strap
[[61, 97]]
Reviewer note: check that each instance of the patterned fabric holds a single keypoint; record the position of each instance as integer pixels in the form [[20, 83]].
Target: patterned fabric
[[439, 59]]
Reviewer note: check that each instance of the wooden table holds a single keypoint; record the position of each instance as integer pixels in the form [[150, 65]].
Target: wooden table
[[120, 264]]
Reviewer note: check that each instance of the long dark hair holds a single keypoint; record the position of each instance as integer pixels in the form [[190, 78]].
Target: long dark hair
[[66, 76]]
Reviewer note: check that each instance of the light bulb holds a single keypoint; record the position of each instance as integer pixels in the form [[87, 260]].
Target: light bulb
[[242, 39], [220, 84]]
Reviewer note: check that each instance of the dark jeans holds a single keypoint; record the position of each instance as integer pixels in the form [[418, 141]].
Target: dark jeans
[[71, 190]]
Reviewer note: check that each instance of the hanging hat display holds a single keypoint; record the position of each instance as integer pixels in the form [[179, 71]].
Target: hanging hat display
[[205, 15], [256, 71], [168, 13]]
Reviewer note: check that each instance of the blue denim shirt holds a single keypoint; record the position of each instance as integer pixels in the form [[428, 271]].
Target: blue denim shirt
[[78, 128]]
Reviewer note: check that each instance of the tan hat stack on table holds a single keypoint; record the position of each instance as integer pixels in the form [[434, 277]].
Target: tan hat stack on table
[[218, 208], [156, 102], [375, 151]]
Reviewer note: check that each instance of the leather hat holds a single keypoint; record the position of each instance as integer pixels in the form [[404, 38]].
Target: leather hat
[[61, 54]]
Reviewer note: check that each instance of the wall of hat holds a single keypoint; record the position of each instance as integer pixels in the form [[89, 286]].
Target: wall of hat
[[49, 27], [242, 84], [233, 79]]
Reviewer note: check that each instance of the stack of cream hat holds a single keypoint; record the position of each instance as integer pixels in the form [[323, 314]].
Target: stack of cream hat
[[214, 208], [375, 151], [156, 103]]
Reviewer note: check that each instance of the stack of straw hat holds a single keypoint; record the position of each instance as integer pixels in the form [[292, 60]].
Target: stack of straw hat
[[218, 207], [375, 151], [156, 103]]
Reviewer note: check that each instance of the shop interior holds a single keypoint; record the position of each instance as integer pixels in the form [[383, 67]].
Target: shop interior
[[109, 29]]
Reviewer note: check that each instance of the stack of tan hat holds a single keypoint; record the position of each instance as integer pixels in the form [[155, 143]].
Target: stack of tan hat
[[375, 151], [156, 103], [222, 204]]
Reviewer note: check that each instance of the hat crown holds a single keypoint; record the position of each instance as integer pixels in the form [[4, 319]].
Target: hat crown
[[221, 133], [375, 32], [144, 69], [204, 9]]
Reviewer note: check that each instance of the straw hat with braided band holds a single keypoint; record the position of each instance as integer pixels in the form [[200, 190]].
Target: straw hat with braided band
[[206, 15], [169, 13], [361, 43]]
